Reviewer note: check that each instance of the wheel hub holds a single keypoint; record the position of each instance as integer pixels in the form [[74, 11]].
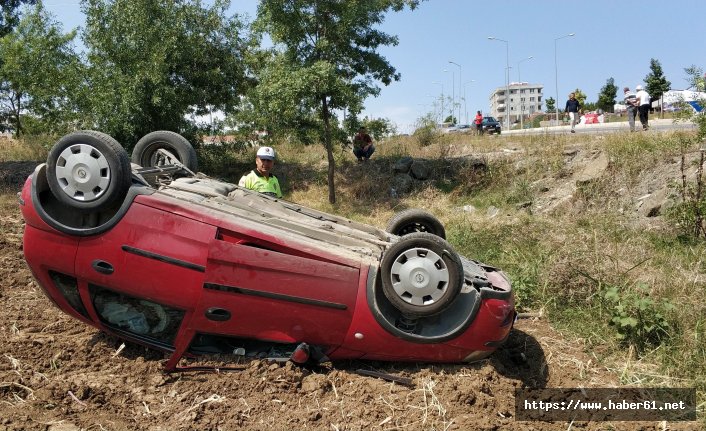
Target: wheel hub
[[83, 172], [419, 276]]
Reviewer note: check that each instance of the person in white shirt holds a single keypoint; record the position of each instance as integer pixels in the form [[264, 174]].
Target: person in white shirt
[[643, 103]]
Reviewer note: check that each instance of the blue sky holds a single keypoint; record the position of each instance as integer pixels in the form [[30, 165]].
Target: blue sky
[[613, 39]]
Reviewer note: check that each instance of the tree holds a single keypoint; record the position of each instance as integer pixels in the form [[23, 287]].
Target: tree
[[327, 51], [38, 72], [379, 127], [607, 95], [9, 14], [551, 104], [153, 62], [696, 78], [657, 83]]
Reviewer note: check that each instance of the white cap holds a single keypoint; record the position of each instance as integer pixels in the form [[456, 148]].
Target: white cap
[[638, 87], [266, 153]]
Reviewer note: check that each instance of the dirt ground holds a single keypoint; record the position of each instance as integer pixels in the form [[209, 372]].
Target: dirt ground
[[59, 374]]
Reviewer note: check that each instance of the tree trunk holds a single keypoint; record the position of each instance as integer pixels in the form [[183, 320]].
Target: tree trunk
[[19, 130], [14, 115], [329, 150]]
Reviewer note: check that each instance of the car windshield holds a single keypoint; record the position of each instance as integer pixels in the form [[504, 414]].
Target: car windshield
[[490, 119]]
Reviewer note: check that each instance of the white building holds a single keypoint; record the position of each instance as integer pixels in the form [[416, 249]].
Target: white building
[[524, 100], [670, 100]]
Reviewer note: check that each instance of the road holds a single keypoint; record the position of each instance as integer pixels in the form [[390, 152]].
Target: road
[[655, 125]]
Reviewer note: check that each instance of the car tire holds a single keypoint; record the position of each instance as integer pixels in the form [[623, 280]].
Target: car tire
[[146, 152], [421, 274], [415, 220], [88, 170]]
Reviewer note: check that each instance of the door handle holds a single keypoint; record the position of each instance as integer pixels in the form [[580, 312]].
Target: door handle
[[102, 266], [217, 314]]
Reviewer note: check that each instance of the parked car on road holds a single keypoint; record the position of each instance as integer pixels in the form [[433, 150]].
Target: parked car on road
[[158, 254], [491, 125]]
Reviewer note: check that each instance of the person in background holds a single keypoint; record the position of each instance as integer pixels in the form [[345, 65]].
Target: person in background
[[261, 179], [643, 103], [630, 106], [572, 107], [478, 121], [363, 146]]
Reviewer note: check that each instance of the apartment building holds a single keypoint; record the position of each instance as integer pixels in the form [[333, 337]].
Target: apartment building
[[524, 100]]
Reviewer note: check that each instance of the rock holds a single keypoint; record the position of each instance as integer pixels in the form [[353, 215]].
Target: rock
[[593, 169], [651, 205], [468, 208], [314, 383], [492, 211], [402, 183], [403, 165], [478, 164], [420, 171]]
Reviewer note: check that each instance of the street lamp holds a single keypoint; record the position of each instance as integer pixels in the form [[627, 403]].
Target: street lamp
[[507, 77], [465, 105], [453, 92], [556, 77], [442, 100], [522, 103], [519, 79], [460, 70]]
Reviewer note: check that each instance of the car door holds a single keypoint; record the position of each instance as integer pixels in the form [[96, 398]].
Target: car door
[[144, 277], [270, 291]]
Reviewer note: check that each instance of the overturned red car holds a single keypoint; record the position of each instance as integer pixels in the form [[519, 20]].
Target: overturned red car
[[156, 254]]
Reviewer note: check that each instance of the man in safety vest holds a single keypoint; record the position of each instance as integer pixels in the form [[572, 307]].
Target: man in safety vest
[[261, 179]]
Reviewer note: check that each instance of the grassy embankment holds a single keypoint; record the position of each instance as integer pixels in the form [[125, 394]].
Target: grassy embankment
[[632, 289]]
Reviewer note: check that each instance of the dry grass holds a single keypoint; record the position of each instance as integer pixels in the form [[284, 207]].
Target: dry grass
[[24, 149]]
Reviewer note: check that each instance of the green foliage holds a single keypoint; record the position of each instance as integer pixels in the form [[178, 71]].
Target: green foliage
[[152, 62], [656, 82], [9, 14], [640, 320], [379, 127], [551, 104], [225, 160], [696, 80], [606, 97], [326, 50], [589, 106], [425, 131], [450, 119], [38, 73], [540, 117], [689, 214]]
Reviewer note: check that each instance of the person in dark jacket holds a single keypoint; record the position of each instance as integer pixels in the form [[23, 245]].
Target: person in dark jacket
[[363, 146], [572, 107]]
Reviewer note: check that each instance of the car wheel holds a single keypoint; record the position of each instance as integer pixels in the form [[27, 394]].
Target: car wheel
[[174, 148], [421, 274], [88, 170], [415, 220]]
